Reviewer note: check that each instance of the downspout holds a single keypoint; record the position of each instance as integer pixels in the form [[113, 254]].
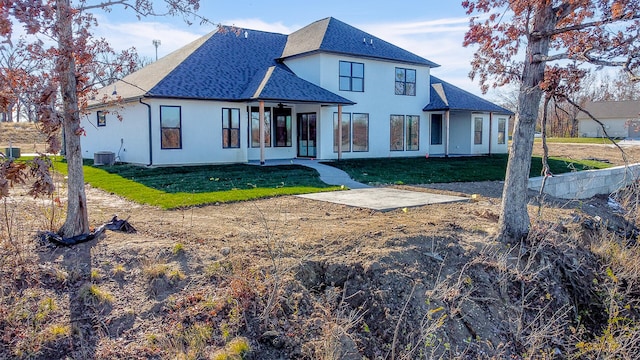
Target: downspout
[[261, 129], [339, 132], [446, 133], [150, 133]]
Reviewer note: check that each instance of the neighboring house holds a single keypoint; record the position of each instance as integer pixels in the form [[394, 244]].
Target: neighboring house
[[620, 119], [203, 104]]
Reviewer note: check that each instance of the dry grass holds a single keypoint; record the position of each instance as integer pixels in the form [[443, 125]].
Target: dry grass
[[288, 277], [25, 136]]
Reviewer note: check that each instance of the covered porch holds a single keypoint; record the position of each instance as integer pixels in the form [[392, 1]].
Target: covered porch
[[285, 114]]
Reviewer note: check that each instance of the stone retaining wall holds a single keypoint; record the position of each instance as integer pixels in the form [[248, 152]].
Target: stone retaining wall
[[585, 184]]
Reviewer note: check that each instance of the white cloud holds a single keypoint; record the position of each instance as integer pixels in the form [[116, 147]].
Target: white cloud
[[140, 34], [258, 24], [439, 41]]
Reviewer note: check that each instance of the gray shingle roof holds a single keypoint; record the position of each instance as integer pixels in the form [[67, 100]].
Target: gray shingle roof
[[445, 96], [226, 65], [280, 84], [611, 110], [140, 82], [223, 66], [334, 36]]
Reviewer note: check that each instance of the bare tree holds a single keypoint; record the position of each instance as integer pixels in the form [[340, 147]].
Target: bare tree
[[554, 37], [19, 74], [76, 55]]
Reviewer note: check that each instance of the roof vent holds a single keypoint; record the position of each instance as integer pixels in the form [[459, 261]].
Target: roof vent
[[364, 41], [246, 34], [371, 41]]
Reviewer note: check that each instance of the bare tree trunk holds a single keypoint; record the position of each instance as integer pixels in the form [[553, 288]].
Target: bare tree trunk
[[514, 220], [9, 113], [77, 221]]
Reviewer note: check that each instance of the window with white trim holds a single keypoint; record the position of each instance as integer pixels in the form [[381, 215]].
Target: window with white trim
[[477, 131], [171, 127]]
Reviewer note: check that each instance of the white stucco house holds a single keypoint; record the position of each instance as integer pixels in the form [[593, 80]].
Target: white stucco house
[[326, 91], [621, 119]]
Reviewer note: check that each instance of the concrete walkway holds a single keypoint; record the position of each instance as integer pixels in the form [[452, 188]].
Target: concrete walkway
[[361, 195], [328, 174]]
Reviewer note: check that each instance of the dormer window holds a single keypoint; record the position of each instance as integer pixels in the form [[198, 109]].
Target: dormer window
[[351, 76], [405, 82]]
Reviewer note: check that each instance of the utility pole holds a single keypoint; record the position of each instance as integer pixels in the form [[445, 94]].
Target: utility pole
[[156, 43]]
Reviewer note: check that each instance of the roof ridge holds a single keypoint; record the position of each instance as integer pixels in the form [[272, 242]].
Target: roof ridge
[[264, 81], [241, 29], [332, 35]]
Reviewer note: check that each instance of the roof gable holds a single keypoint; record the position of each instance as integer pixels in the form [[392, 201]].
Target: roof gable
[[334, 36], [280, 84], [445, 96]]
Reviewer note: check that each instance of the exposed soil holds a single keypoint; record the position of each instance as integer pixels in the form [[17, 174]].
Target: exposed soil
[[606, 152], [297, 278]]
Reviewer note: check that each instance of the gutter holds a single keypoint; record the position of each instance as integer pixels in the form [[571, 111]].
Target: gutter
[[150, 142]]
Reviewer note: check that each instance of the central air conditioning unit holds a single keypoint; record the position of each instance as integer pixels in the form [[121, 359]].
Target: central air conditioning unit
[[104, 158]]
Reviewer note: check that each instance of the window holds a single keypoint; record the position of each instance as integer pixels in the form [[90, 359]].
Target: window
[[360, 132], [346, 133], [170, 127], [102, 118], [230, 128], [351, 76], [282, 129], [412, 133], [254, 127], [502, 133], [355, 132], [397, 133], [477, 131], [405, 82], [436, 129]]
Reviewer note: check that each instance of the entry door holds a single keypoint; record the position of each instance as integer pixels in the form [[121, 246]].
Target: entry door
[[307, 135]]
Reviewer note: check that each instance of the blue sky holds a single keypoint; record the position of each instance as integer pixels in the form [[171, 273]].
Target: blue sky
[[431, 29]]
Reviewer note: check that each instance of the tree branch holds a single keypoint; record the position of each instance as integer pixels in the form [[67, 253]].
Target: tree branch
[[625, 65], [104, 4], [587, 25], [627, 69], [548, 58], [604, 130]]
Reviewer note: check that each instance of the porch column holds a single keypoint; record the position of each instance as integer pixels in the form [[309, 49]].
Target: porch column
[[339, 132], [490, 131], [446, 133], [261, 130]]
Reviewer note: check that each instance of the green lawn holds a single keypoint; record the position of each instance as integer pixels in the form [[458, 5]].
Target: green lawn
[[177, 187], [453, 169], [580, 140]]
